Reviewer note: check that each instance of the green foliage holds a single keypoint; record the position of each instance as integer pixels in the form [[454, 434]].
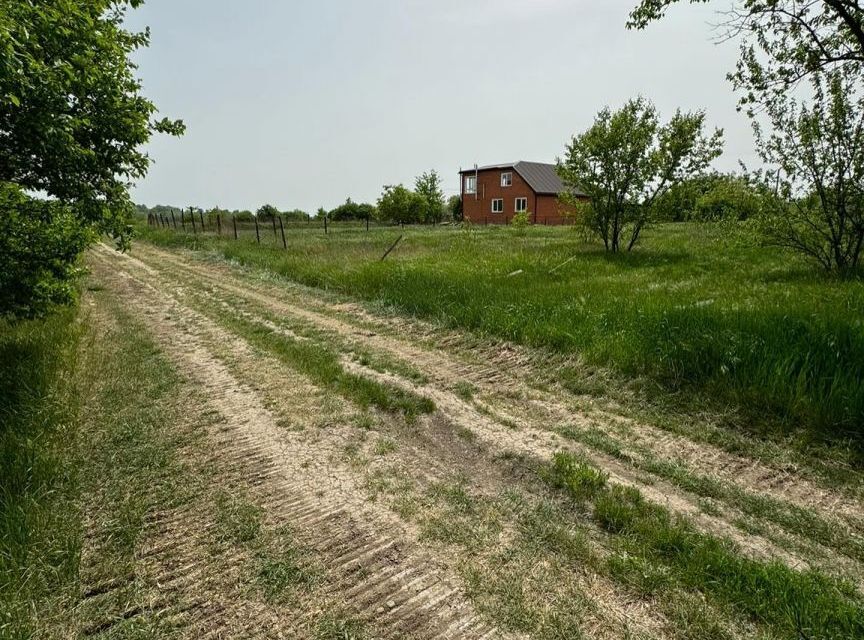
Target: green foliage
[[352, 211], [428, 186], [713, 197], [520, 221], [782, 41], [267, 212], [454, 208], [72, 116], [72, 125], [401, 205], [626, 160], [40, 242], [819, 150]]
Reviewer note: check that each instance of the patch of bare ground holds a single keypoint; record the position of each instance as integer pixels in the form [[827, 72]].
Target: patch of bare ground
[[505, 401], [342, 460], [375, 568]]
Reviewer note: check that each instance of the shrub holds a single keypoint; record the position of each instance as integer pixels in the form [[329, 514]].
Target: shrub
[[401, 205], [520, 221], [40, 242]]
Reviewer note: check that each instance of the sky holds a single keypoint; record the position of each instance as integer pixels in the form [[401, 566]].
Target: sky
[[304, 103]]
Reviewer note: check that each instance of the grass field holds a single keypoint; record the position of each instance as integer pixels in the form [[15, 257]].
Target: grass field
[[203, 448], [697, 317]]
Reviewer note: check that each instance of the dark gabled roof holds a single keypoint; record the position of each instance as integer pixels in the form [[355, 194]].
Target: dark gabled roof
[[540, 176]]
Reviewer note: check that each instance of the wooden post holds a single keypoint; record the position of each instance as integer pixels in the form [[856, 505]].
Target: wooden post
[[325, 225], [234, 220], [282, 229], [257, 233], [201, 213], [218, 224], [192, 215], [393, 246], [173, 219]]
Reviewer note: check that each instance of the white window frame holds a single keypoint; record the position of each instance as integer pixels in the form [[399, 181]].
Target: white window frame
[[524, 202], [507, 179], [496, 201], [471, 185]]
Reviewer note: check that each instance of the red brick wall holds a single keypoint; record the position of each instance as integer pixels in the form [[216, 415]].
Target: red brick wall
[[543, 209], [478, 208]]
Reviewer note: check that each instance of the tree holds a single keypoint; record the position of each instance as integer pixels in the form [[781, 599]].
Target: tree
[[73, 122], [819, 152], [428, 186], [454, 207], [712, 197], [401, 205], [267, 212], [353, 211], [72, 116], [39, 245], [627, 160], [784, 40]]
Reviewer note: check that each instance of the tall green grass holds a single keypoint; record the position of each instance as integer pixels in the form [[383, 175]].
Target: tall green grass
[[39, 536], [655, 551], [696, 316]]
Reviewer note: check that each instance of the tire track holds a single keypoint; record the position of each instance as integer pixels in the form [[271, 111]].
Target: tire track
[[376, 568], [532, 411]]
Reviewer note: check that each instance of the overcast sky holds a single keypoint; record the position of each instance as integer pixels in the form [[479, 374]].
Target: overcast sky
[[305, 103]]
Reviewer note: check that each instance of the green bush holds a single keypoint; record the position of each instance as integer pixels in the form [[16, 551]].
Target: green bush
[[40, 242], [520, 221]]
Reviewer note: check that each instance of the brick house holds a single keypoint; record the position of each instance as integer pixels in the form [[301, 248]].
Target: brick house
[[493, 194]]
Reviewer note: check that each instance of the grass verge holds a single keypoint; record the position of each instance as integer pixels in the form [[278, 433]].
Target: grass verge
[[40, 536], [656, 551]]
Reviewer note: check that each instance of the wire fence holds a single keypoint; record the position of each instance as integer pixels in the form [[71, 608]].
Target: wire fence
[[269, 230], [277, 230]]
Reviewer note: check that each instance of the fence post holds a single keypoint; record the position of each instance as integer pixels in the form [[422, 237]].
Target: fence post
[[219, 224], [257, 233], [192, 215], [282, 229], [325, 225], [234, 220], [173, 219]]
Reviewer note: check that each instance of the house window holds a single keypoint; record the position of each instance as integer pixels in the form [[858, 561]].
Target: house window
[[471, 184], [506, 179], [498, 205], [521, 205]]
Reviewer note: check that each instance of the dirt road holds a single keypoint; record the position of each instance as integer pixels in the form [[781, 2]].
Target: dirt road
[[421, 526]]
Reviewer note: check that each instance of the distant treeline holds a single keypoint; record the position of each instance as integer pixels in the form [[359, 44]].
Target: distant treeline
[[425, 204]]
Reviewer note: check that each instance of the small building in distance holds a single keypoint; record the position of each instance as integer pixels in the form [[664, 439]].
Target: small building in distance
[[495, 193]]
